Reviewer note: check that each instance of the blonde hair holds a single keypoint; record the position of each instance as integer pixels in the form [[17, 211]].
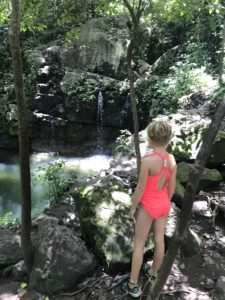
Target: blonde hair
[[160, 132]]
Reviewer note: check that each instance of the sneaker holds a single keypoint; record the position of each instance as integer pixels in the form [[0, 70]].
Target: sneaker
[[146, 271], [131, 289]]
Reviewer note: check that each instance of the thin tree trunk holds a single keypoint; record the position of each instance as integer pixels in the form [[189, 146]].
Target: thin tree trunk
[[23, 136], [222, 55], [133, 44], [133, 106], [191, 189]]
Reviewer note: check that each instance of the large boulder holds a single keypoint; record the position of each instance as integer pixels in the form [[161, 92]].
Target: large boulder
[[189, 129], [103, 209], [220, 287], [178, 196], [61, 257], [10, 247], [191, 242], [187, 136], [221, 245], [217, 156], [101, 48], [172, 220], [209, 177]]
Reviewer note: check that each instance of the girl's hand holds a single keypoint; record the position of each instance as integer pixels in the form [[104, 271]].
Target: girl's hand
[[132, 212]]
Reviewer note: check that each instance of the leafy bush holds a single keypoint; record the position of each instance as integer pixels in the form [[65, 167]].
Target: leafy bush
[[7, 219], [31, 71], [122, 144], [186, 76], [53, 176], [6, 77], [79, 94]]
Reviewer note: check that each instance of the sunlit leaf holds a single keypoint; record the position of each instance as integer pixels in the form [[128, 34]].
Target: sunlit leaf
[[23, 285]]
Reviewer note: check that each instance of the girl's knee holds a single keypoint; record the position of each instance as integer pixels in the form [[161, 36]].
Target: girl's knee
[[139, 244], [159, 241]]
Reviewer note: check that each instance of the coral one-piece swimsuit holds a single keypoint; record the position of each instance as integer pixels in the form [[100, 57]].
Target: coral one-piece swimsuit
[[156, 202]]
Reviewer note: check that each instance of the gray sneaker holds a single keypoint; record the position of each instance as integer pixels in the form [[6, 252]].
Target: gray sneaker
[[131, 289]]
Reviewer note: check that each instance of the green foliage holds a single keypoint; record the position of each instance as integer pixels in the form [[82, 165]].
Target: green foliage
[[79, 93], [30, 71], [6, 76], [7, 219], [6, 90], [184, 79], [78, 86], [186, 11], [4, 11], [122, 141], [218, 96], [197, 53], [198, 21], [23, 285], [13, 127], [53, 176], [38, 15], [185, 76], [72, 36]]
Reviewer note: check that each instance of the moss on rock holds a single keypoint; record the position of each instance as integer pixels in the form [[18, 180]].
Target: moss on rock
[[217, 156], [106, 226], [208, 178], [178, 194]]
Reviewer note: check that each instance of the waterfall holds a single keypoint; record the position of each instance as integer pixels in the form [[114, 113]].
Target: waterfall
[[100, 123]]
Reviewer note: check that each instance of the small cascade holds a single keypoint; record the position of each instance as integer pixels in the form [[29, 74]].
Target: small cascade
[[100, 122], [52, 134]]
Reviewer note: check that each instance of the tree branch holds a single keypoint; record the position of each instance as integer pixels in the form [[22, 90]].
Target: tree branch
[[131, 11], [122, 278], [83, 288], [139, 10]]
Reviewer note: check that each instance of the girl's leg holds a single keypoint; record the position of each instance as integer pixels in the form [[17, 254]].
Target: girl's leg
[[143, 225], [159, 251]]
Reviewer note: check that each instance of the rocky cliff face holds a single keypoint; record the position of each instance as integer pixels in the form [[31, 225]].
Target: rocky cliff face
[[63, 112], [101, 48]]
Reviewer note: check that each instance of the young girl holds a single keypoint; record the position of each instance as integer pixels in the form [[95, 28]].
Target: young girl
[[154, 191]]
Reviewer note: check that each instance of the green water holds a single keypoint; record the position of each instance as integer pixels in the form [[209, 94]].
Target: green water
[[10, 199]]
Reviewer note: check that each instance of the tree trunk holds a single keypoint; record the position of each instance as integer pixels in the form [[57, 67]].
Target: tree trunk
[[133, 104], [134, 34], [191, 189], [222, 55], [23, 136]]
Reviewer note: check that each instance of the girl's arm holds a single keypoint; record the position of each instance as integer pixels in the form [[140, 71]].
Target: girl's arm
[[172, 181], [144, 171]]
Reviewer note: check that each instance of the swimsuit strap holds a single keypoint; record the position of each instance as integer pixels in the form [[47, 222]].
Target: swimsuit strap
[[164, 158]]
